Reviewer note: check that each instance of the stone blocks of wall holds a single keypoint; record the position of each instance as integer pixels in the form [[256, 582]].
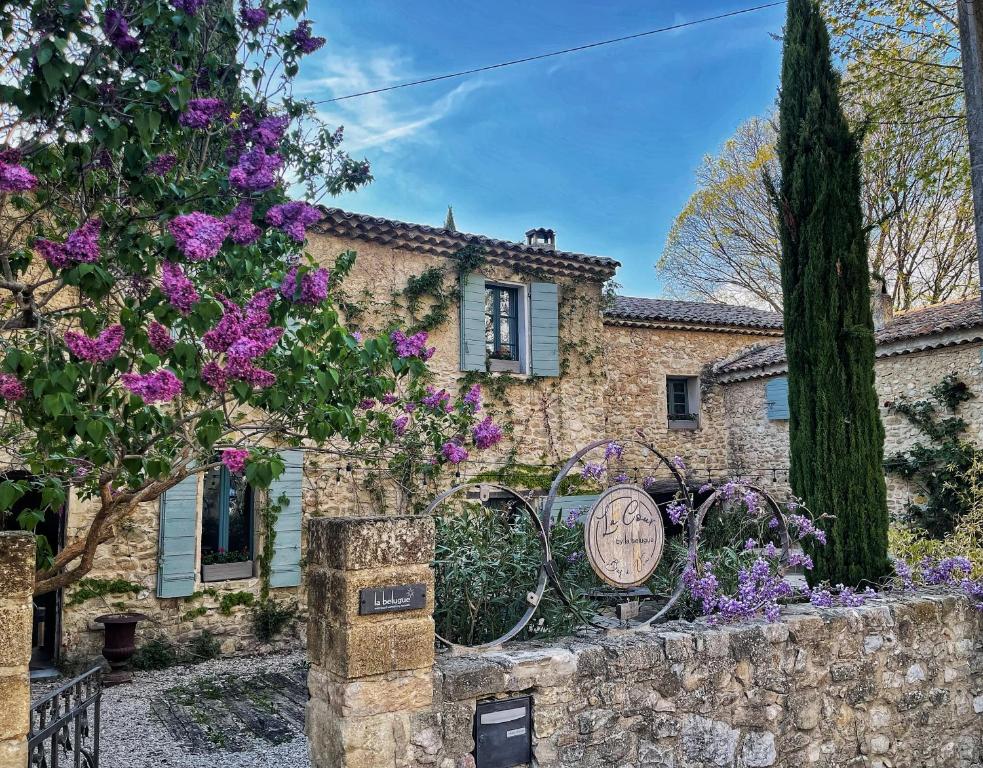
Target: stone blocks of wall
[[16, 612], [894, 684], [370, 673]]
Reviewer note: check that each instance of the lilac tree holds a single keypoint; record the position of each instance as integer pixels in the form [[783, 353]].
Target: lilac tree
[[159, 313]]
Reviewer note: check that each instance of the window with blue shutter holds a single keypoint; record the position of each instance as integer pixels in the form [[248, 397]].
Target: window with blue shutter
[[776, 397], [287, 490], [177, 544], [473, 323], [545, 329]]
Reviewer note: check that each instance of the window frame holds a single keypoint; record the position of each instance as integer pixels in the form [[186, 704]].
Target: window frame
[[691, 421], [240, 569], [519, 295]]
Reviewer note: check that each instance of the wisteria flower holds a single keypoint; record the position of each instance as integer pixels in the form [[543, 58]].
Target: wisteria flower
[[11, 387], [160, 338], [486, 434], [255, 171], [293, 218], [648, 482], [242, 231], [16, 178], [454, 452], [304, 40], [677, 512], [158, 387], [177, 288], [98, 350], [621, 477], [197, 235], [313, 288], [235, 460], [613, 450], [80, 247], [678, 463], [592, 471]]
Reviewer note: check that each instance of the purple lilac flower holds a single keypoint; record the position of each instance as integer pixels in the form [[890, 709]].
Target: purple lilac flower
[[486, 434], [389, 399], [472, 399], [117, 31], [436, 399], [293, 218], [411, 346], [313, 286], [454, 452], [613, 450], [178, 289], [400, 423], [255, 171], [160, 338], [367, 404], [269, 131], [16, 178], [214, 376], [11, 388], [409, 407], [200, 113], [197, 235], [242, 231], [80, 247], [592, 471], [190, 7], [161, 165], [357, 335], [98, 350], [254, 19], [303, 38], [158, 387], [235, 460], [677, 511], [238, 369]]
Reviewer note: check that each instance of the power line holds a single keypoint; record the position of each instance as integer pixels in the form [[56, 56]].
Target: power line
[[540, 56]]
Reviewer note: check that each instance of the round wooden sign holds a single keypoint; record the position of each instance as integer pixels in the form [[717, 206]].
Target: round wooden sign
[[624, 536]]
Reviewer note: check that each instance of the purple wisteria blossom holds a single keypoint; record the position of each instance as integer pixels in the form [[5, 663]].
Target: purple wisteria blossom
[[648, 482], [201, 113], [80, 247], [235, 460], [160, 338], [945, 571], [161, 165], [255, 171], [313, 288], [158, 387], [304, 40], [486, 434], [454, 452], [293, 218], [98, 350], [197, 235], [254, 19], [178, 289], [838, 597], [805, 528], [613, 450], [11, 387], [15, 177], [677, 512], [117, 31], [242, 231], [593, 470], [678, 463]]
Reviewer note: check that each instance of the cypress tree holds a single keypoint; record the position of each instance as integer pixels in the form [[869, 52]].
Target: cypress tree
[[449, 220], [836, 435]]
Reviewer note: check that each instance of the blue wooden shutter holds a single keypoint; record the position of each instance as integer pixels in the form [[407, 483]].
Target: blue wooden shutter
[[564, 505], [776, 396], [285, 565], [473, 323], [545, 325], [178, 540]]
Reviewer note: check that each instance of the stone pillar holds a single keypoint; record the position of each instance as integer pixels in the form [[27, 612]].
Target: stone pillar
[[16, 614], [370, 672]]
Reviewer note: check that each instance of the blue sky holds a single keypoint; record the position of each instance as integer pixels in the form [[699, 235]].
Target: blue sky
[[600, 145]]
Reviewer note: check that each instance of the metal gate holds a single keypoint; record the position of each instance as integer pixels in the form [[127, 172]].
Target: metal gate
[[65, 725]]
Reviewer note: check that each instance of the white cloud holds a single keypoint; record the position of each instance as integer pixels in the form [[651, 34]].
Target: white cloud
[[381, 121]]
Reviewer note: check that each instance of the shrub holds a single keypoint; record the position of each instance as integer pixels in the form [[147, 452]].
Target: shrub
[[158, 653], [204, 648], [270, 618]]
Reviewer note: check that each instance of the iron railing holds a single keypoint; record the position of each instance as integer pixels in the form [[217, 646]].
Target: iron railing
[[60, 733]]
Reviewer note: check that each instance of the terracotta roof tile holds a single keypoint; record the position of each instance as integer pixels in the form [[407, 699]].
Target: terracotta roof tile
[[691, 312], [446, 242], [907, 326]]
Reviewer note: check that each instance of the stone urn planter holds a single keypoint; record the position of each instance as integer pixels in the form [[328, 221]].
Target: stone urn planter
[[119, 645]]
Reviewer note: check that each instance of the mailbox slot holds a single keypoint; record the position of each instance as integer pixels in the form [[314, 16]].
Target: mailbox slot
[[503, 733]]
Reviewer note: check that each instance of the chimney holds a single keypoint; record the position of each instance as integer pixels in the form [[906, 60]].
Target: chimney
[[541, 238], [881, 302]]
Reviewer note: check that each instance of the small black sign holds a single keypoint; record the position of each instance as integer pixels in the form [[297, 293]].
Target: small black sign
[[402, 597]]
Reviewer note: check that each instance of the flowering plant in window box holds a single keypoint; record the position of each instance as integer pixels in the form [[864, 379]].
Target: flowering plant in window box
[[221, 565]]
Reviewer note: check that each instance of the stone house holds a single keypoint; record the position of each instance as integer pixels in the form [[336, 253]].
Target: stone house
[[561, 363]]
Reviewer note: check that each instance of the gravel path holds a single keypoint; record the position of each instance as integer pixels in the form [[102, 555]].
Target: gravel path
[[134, 736]]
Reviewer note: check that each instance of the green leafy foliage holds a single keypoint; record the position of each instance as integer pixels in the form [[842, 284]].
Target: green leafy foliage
[[271, 618], [204, 647], [158, 653], [88, 589], [231, 600]]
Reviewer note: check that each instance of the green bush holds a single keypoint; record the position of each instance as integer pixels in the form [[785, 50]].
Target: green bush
[[204, 648], [158, 653], [270, 618]]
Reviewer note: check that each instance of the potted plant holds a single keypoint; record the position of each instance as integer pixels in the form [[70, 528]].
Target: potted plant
[[222, 566], [501, 360]]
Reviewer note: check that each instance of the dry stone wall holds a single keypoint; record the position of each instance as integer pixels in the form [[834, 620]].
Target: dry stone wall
[[16, 586]]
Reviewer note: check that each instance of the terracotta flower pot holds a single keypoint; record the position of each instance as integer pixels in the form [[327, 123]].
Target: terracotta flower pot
[[119, 644]]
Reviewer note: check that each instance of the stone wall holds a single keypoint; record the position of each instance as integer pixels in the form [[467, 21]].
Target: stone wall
[[755, 441], [16, 586], [636, 363], [895, 684]]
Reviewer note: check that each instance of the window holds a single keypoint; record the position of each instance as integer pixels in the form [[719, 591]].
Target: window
[[502, 328], [682, 401], [226, 526]]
